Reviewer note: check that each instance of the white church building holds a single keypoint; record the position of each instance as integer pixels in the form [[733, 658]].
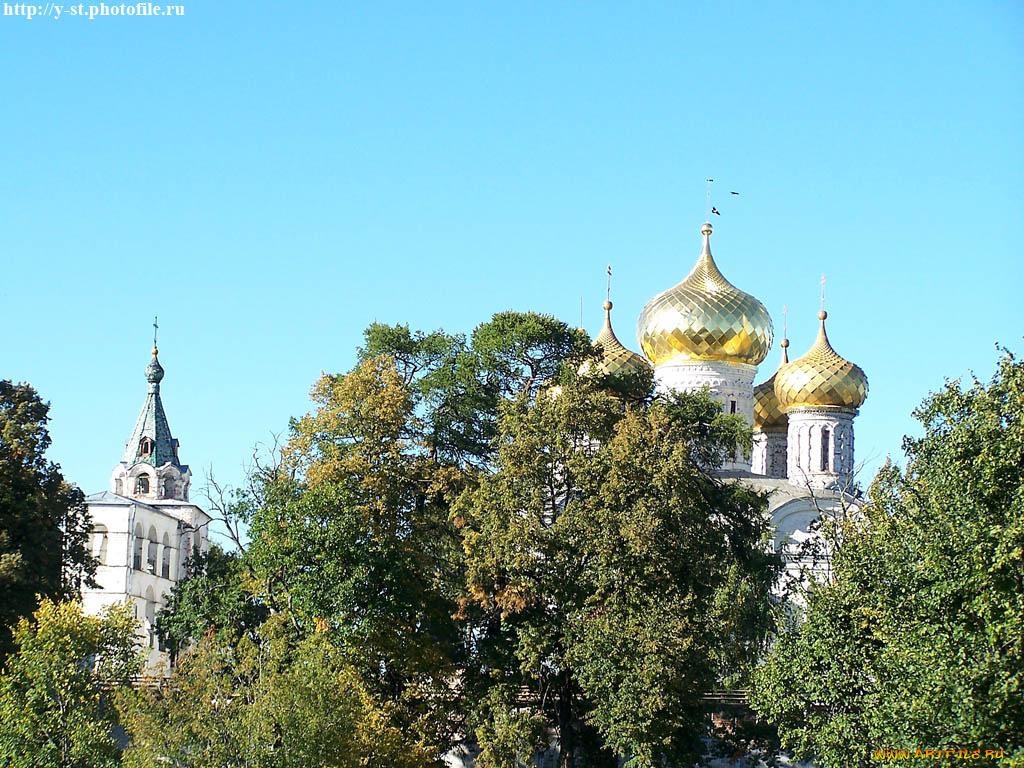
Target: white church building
[[144, 527], [705, 333]]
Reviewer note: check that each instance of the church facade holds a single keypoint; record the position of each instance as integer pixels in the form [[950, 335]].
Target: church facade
[[144, 526], [706, 333]]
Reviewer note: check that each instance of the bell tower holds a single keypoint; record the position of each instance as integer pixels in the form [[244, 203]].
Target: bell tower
[[151, 470], [145, 529]]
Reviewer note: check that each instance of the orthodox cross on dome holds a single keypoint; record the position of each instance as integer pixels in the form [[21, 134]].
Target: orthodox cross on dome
[[822, 291], [608, 289], [707, 216], [156, 327]]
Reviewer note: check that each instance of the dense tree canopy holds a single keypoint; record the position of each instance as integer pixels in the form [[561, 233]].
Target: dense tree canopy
[[917, 642], [500, 547], [598, 553], [276, 699], [44, 523], [476, 540], [55, 709]]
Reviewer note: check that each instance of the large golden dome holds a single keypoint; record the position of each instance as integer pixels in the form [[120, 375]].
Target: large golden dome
[[821, 378], [614, 356], [705, 317], [767, 412]]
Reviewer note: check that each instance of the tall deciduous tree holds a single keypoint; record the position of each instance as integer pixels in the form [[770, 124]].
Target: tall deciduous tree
[[597, 552], [456, 385], [361, 543], [55, 710], [483, 550], [44, 522], [918, 639]]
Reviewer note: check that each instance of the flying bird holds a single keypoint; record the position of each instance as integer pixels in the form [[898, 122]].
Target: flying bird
[[716, 212], [734, 193]]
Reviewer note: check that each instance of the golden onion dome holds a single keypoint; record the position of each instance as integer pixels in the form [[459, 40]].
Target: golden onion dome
[[614, 356], [767, 413], [705, 317], [821, 378]]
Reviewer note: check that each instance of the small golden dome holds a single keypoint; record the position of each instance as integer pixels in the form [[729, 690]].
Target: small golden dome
[[821, 378], [705, 317], [614, 356], [767, 413]]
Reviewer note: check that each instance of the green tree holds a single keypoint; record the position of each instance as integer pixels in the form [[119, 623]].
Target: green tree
[[597, 554], [44, 522], [393, 528], [456, 386], [272, 700], [357, 532], [216, 594], [54, 708], [449, 394], [360, 540], [918, 639]]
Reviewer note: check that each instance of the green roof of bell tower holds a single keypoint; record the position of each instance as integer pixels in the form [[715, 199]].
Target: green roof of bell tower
[[151, 441]]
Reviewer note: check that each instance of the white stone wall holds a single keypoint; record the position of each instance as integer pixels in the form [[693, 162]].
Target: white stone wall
[[127, 534], [769, 455], [820, 447], [730, 383], [797, 533]]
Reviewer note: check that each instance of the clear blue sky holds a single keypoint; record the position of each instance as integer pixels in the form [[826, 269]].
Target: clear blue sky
[[269, 178]]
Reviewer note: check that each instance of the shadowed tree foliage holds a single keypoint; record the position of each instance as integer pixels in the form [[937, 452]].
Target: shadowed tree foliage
[[597, 552], [44, 522], [275, 699], [216, 595], [918, 640], [54, 690]]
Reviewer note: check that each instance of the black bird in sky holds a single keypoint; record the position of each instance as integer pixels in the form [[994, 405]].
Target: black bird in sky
[[716, 212], [734, 193]]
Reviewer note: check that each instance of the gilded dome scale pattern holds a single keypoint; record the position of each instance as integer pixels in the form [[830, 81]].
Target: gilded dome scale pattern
[[821, 378], [614, 356], [705, 317]]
